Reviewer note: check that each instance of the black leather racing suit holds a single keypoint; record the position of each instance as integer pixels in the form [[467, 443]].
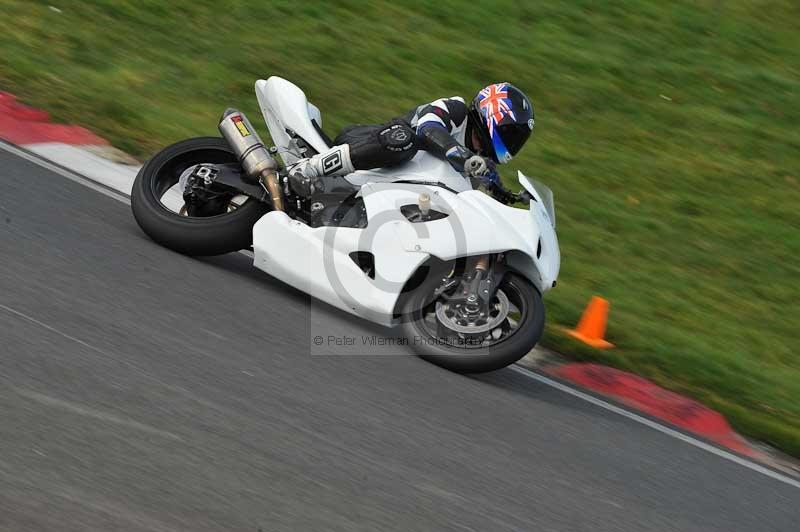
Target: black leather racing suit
[[438, 127], [441, 128]]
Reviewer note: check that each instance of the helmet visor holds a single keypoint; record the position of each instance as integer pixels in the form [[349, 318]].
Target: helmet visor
[[501, 152], [513, 137]]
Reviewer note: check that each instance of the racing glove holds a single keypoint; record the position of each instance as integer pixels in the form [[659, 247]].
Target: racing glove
[[481, 169], [471, 164], [477, 166]]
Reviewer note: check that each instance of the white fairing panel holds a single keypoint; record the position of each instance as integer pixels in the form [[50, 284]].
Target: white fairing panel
[[318, 261], [422, 168], [284, 107], [315, 114]]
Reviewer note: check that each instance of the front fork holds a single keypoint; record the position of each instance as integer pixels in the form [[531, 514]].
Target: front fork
[[479, 281], [487, 275], [480, 284]]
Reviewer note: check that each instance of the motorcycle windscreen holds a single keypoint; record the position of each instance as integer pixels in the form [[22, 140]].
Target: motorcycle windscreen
[[542, 192]]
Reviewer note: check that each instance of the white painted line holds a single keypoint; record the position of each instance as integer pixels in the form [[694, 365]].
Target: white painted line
[[97, 185], [51, 329], [528, 373], [94, 413], [69, 174], [657, 426], [113, 175]]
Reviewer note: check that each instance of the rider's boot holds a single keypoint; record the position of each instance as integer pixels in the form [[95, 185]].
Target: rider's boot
[[305, 176]]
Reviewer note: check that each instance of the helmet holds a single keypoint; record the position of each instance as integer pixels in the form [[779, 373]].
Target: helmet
[[502, 117]]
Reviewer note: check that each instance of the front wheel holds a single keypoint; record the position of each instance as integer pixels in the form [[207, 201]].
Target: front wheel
[[467, 340], [221, 224]]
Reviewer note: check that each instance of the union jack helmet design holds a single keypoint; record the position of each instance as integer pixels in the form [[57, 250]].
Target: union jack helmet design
[[502, 116]]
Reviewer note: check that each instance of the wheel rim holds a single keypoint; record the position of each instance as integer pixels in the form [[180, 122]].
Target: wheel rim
[[444, 324], [165, 183]]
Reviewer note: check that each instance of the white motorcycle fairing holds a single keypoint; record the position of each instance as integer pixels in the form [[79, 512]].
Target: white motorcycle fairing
[[285, 107], [322, 261]]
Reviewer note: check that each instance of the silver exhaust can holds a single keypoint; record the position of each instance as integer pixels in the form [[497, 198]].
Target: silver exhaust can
[[254, 157], [246, 143]]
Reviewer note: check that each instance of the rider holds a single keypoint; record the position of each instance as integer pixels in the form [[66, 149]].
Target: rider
[[473, 138]]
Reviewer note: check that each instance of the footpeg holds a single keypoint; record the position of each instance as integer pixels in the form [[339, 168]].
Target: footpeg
[[304, 186]]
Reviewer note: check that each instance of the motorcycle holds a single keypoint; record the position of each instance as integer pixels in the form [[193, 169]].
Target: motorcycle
[[415, 246]]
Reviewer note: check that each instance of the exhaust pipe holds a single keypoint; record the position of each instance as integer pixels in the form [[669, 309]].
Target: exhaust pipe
[[255, 159]]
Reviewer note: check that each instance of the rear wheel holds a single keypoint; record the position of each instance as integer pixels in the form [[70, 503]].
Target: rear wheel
[[222, 223], [465, 339]]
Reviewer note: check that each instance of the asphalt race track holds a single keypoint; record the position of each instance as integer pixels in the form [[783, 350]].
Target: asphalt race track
[[144, 390]]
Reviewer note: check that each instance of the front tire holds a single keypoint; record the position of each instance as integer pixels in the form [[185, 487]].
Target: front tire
[[211, 235], [423, 329]]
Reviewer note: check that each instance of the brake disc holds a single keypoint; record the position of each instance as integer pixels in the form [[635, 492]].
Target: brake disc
[[456, 316]]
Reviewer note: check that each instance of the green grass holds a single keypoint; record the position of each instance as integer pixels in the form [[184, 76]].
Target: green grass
[[669, 132]]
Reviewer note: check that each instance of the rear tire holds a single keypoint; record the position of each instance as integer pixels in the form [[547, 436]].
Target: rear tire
[[213, 235], [472, 359]]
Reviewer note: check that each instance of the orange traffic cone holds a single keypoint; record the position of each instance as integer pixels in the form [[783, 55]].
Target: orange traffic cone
[[592, 327]]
